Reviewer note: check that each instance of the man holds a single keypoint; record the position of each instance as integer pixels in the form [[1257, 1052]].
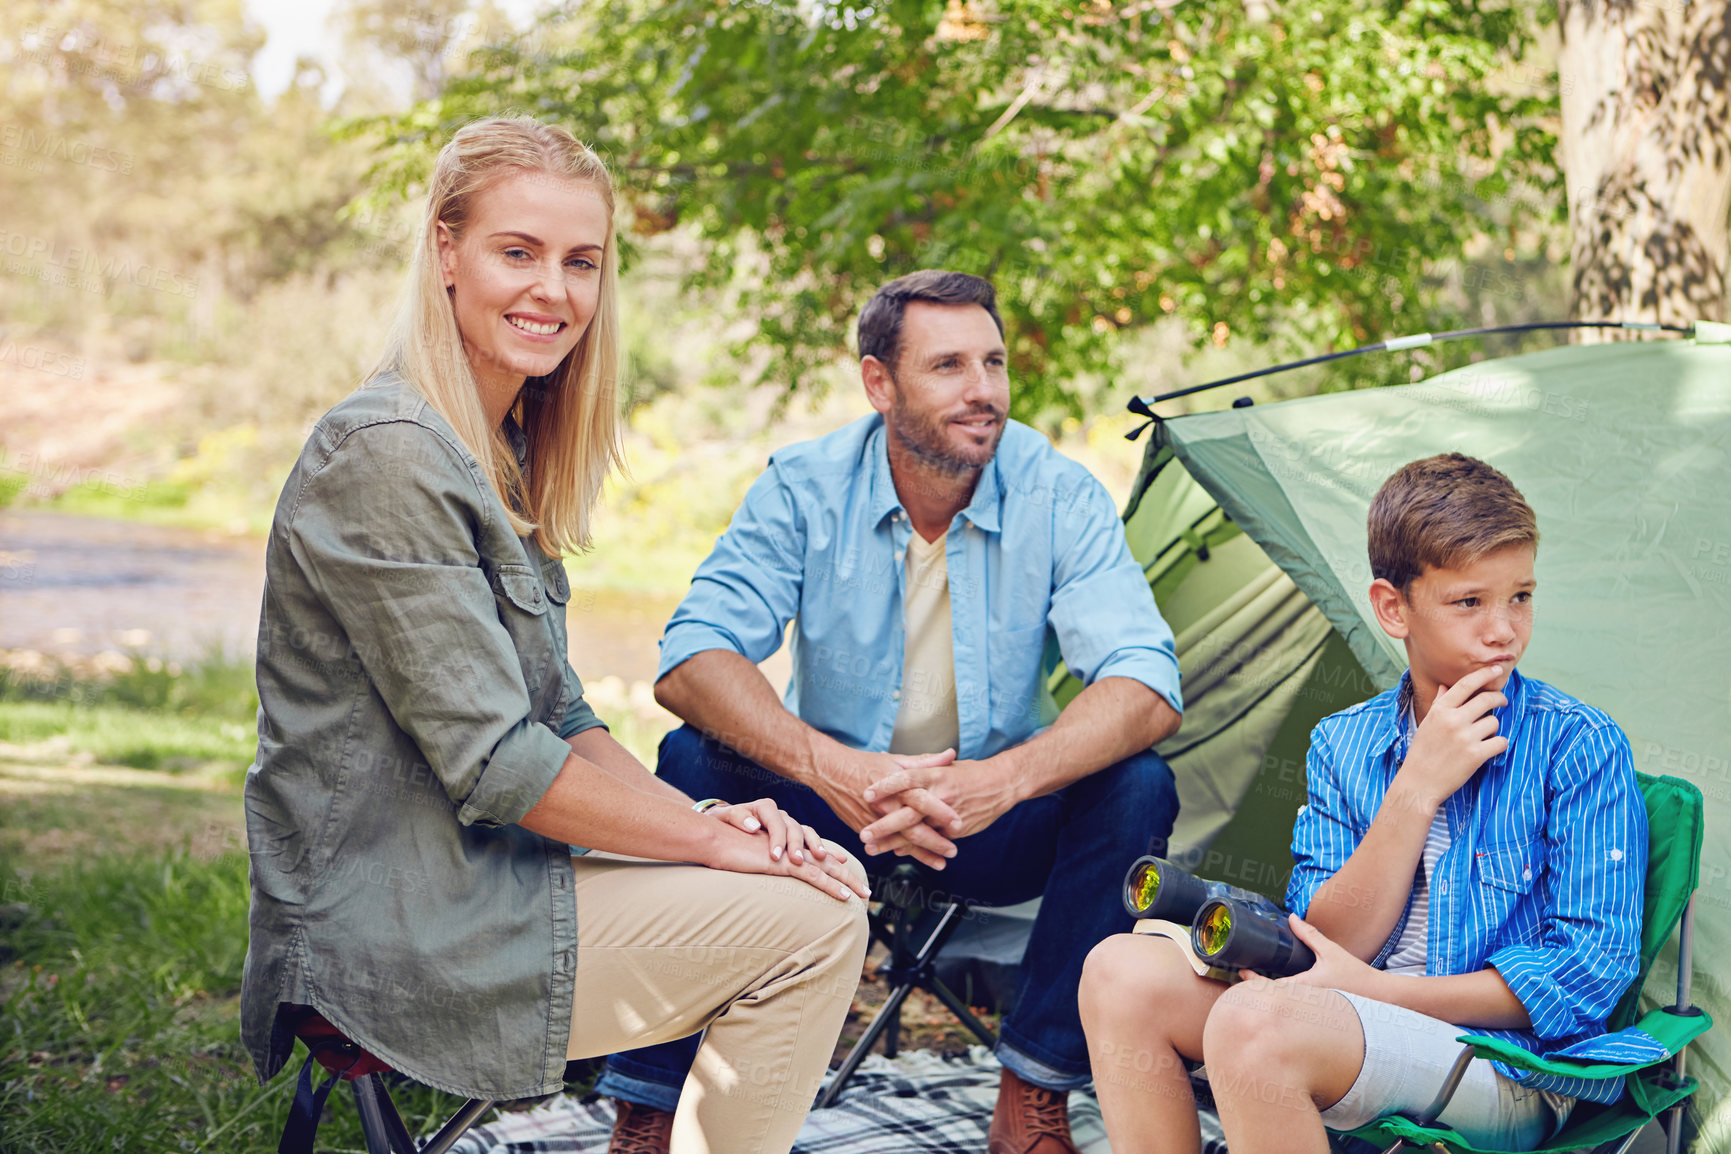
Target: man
[[923, 553]]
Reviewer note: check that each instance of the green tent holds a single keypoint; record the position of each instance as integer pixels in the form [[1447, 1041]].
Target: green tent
[[1251, 525]]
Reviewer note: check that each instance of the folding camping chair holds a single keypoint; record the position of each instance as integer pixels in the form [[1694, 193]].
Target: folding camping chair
[[380, 1122], [1653, 1086], [899, 924]]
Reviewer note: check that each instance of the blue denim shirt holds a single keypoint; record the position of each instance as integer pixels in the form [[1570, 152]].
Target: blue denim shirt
[[1545, 875], [820, 540]]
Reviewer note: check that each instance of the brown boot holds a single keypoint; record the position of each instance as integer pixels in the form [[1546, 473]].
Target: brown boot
[[640, 1129], [1029, 1119]]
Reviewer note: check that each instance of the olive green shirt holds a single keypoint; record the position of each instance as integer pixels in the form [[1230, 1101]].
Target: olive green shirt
[[414, 694]]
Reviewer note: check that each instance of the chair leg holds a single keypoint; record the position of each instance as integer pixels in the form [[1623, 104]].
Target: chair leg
[[907, 968], [1623, 1146], [1685, 975], [1449, 1086], [960, 1009], [380, 1123], [465, 1117], [888, 1016]]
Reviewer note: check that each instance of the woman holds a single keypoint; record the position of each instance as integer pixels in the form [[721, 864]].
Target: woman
[[427, 767]]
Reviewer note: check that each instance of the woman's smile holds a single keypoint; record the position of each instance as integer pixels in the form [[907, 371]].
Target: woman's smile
[[532, 326]]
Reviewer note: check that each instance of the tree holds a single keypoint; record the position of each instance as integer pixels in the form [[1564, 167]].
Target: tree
[[1646, 154], [1300, 173], [414, 40]]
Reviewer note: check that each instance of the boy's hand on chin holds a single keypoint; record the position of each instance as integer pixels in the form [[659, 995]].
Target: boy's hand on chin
[[1457, 736]]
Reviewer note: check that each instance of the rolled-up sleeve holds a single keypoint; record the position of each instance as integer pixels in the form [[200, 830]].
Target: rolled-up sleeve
[[748, 589], [578, 715], [1596, 853], [385, 532], [1102, 609], [1322, 836]]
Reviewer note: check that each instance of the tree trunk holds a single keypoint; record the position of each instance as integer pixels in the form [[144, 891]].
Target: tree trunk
[[1646, 155]]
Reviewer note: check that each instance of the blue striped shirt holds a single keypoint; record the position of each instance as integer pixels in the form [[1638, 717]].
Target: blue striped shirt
[[1544, 875]]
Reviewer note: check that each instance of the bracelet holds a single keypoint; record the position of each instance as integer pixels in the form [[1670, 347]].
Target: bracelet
[[708, 803]]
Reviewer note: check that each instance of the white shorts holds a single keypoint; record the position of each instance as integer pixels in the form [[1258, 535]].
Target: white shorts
[[1407, 1056]]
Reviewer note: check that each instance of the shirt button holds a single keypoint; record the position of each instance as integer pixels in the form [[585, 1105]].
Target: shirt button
[[1616, 855], [1527, 875], [896, 696], [1443, 888]]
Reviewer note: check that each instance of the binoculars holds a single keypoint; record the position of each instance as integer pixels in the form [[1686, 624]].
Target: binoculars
[[1230, 928]]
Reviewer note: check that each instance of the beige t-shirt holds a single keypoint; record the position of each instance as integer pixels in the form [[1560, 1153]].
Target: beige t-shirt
[[926, 721]]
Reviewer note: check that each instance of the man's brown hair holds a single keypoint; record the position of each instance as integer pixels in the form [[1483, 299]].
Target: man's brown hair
[[880, 322], [1443, 512]]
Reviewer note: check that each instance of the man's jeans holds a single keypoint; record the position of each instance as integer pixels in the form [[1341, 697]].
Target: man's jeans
[[1071, 847]]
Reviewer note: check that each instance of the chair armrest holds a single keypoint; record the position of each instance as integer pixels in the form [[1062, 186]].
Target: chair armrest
[[1670, 1030]]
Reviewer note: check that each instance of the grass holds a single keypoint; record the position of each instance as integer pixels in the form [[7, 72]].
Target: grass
[[122, 1015], [144, 713], [123, 907], [123, 923], [120, 735]]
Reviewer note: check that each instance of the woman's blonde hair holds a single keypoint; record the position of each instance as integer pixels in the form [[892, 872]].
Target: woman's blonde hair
[[570, 416]]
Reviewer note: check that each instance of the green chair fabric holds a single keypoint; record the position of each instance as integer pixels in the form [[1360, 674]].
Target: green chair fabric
[[1675, 827]]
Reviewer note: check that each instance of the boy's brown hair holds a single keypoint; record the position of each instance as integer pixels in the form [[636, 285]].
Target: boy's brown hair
[[1443, 512]]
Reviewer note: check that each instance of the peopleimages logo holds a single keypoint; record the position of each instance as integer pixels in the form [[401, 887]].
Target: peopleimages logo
[[49, 260], [43, 360], [17, 140]]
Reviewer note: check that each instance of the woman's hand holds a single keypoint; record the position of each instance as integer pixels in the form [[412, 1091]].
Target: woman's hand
[[764, 840], [786, 836]]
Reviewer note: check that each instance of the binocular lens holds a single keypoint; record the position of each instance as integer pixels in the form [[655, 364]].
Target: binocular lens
[[1235, 936], [1155, 888], [1144, 886], [1215, 929]]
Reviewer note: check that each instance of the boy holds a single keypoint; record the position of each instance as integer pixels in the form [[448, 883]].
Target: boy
[[1472, 856]]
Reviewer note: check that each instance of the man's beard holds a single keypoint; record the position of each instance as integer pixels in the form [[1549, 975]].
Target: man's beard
[[924, 437]]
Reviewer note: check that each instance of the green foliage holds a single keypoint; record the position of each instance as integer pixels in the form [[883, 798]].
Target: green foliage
[[1295, 174]]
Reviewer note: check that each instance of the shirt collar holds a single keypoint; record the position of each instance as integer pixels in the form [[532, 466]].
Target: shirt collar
[[519, 441], [1395, 726], [983, 510]]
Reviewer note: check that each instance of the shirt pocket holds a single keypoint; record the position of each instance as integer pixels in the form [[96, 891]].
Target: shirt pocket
[[557, 583], [1016, 644], [1512, 868], [522, 604], [519, 585], [1507, 874]]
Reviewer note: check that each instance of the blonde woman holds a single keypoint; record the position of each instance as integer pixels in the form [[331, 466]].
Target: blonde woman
[[427, 769]]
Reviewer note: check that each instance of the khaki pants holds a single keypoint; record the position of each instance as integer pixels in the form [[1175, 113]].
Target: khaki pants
[[768, 965]]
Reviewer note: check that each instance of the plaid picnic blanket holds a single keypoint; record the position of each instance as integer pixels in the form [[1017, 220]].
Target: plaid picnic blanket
[[917, 1101]]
